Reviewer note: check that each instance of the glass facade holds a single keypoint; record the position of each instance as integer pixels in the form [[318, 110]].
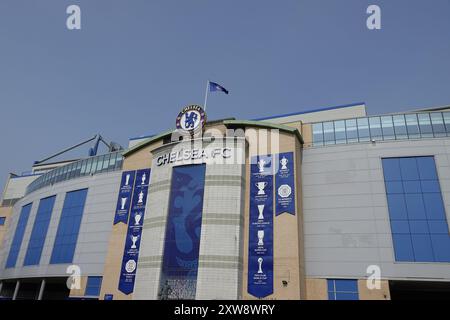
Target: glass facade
[[342, 289], [69, 226], [93, 286], [391, 127], [2, 221], [182, 239], [39, 232], [18, 236], [90, 166], [417, 215]]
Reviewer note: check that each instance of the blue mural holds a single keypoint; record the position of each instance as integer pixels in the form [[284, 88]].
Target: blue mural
[[260, 255], [182, 240]]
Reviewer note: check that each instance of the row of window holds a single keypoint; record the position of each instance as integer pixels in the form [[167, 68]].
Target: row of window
[[391, 127], [66, 234], [104, 163]]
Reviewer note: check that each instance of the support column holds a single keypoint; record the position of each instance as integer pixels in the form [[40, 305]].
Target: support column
[[41, 290], [16, 290]]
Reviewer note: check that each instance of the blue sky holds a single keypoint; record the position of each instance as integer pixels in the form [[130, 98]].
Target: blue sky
[[135, 64]]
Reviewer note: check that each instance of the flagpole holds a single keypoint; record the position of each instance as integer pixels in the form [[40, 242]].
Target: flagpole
[[206, 95]]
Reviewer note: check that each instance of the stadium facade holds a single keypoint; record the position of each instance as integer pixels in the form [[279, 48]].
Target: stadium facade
[[327, 204]]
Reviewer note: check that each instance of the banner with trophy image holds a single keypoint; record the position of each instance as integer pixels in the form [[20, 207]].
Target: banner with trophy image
[[260, 256], [124, 198], [284, 184], [134, 233]]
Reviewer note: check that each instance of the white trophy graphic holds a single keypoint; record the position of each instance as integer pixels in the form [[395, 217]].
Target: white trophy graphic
[[144, 177], [261, 164], [123, 201], [127, 179], [137, 218], [261, 185], [134, 239], [260, 237], [141, 197], [284, 163], [260, 261], [260, 210]]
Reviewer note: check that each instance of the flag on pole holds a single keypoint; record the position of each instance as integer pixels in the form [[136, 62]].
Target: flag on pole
[[216, 87]]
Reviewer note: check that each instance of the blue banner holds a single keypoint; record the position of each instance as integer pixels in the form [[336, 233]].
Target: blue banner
[[134, 233], [124, 198], [182, 239], [260, 255], [285, 184]]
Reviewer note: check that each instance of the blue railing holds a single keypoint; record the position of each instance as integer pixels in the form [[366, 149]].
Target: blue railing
[[90, 166], [382, 128]]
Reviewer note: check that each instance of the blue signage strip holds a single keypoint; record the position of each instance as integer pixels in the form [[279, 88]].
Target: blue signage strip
[[124, 198], [134, 234], [260, 255], [285, 184]]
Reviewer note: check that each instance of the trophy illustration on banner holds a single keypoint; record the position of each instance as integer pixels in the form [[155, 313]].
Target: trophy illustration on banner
[[127, 179], [261, 164], [134, 239], [260, 261], [137, 218], [144, 177], [261, 185], [123, 201], [260, 237], [141, 197], [260, 210], [284, 163]]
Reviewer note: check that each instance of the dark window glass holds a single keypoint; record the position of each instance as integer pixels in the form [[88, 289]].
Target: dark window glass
[[412, 126], [2, 221], [375, 128], [416, 210], [69, 226], [447, 121], [93, 286], [352, 133], [18, 236], [363, 129], [342, 289], [39, 232]]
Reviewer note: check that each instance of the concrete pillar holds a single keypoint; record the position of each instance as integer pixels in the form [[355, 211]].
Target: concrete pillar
[[16, 290], [41, 290]]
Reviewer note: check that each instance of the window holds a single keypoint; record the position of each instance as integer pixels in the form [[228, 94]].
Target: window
[[416, 210], [2, 221], [388, 128], [339, 127], [425, 125], [328, 132], [342, 289], [375, 128], [412, 126], [93, 286], [39, 232], [438, 124], [18, 236], [69, 226], [352, 133], [400, 127], [363, 129], [317, 134]]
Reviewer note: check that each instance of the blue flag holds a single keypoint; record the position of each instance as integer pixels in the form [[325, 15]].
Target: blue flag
[[216, 87]]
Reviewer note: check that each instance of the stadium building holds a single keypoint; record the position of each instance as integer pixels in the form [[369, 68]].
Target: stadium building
[[328, 204]]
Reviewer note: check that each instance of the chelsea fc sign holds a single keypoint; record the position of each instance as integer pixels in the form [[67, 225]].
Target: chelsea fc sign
[[191, 119]]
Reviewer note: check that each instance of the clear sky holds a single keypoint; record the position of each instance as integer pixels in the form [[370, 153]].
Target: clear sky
[[136, 63]]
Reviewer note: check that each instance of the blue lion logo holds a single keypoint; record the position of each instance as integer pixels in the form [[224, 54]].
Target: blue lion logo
[[190, 119]]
